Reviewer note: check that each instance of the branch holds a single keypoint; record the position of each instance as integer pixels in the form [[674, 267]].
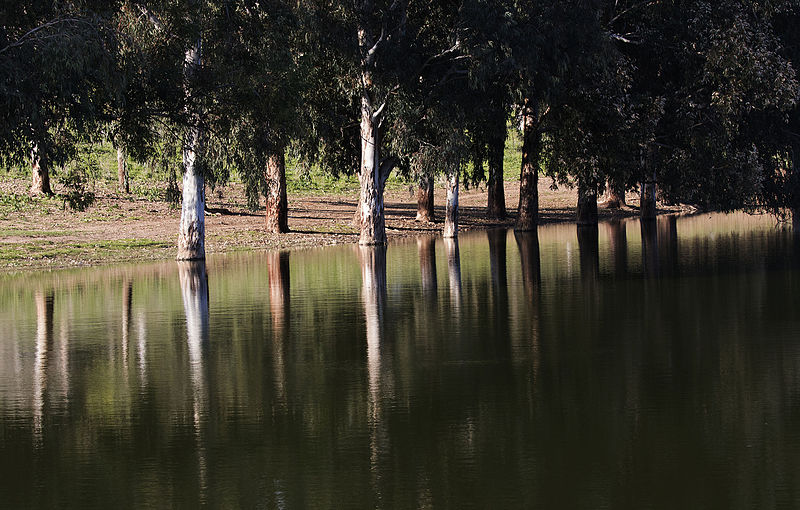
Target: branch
[[385, 168], [370, 58], [624, 39], [151, 17], [30, 33]]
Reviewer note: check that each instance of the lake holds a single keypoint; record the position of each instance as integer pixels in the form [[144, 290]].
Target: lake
[[627, 366]]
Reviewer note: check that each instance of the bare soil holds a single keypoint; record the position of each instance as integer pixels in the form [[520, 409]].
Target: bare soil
[[44, 233]]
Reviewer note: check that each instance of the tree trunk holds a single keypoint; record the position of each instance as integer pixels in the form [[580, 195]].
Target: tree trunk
[[496, 194], [191, 237], [647, 196], [528, 210], [587, 205], [614, 197], [372, 177], [451, 209], [122, 171], [425, 211], [277, 216], [41, 173]]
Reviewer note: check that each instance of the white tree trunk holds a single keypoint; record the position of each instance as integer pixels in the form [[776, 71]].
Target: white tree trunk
[[191, 237], [372, 221], [122, 171], [451, 210]]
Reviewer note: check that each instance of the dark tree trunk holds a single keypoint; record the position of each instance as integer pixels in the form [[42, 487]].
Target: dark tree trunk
[[425, 211], [647, 195], [277, 214], [41, 173], [451, 208], [496, 199], [528, 210], [123, 181], [587, 205]]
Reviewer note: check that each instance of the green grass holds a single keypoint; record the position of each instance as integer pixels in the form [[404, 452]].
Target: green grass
[[84, 250]]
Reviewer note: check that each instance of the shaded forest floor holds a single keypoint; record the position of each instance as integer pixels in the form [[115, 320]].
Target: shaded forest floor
[[53, 232]]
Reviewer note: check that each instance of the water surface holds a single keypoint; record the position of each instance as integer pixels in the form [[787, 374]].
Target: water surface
[[629, 366]]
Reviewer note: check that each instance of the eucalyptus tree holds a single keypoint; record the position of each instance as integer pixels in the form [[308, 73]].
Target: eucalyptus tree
[[706, 78], [262, 70], [57, 69]]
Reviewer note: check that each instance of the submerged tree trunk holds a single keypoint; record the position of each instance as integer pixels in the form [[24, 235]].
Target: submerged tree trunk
[[496, 194], [122, 171], [587, 205], [277, 215], [191, 237], [528, 210], [41, 173], [425, 211], [451, 209]]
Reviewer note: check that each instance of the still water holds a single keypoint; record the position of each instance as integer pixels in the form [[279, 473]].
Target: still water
[[628, 366]]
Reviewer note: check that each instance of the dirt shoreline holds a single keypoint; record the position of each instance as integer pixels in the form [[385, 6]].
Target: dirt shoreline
[[44, 233]]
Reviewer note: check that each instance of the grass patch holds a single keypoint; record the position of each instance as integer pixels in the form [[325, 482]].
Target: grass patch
[[18, 232], [84, 251]]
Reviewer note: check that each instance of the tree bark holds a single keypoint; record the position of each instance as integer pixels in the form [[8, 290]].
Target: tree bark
[[587, 205], [191, 237], [451, 208], [425, 210], [122, 171], [277, 215], [528, 210], [372, 177], [614, 197], [647, 195], [40, 172], [496, 194]]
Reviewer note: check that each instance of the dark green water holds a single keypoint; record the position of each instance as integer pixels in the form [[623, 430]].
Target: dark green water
[[623, 367]]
